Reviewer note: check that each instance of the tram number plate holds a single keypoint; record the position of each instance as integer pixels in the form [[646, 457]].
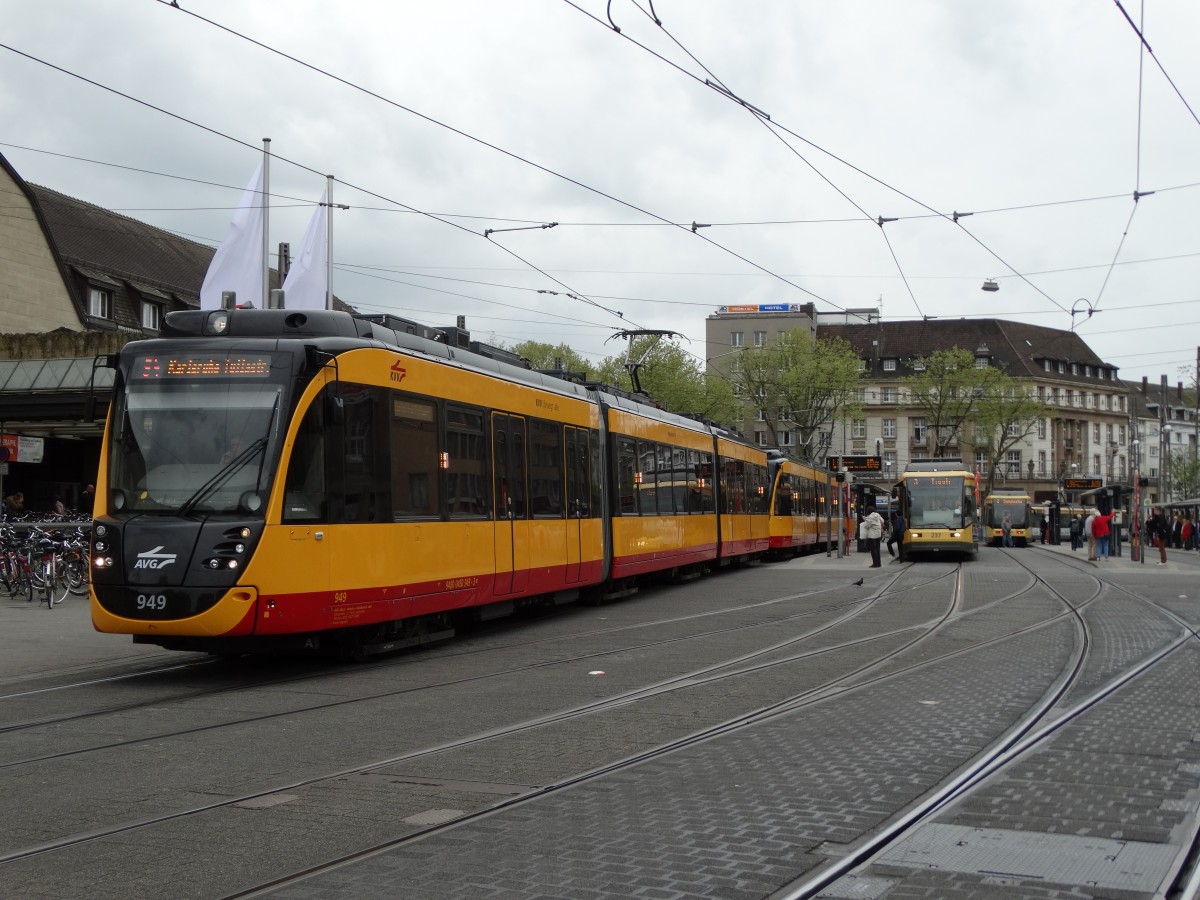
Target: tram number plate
[[150, 602]]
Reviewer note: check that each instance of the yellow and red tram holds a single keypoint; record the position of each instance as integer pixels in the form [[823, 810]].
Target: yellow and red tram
[[277, 479], [803, 515], [937, 500], [1017, 505]]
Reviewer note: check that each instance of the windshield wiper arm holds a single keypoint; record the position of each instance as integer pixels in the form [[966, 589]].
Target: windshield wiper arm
[[223, 475]]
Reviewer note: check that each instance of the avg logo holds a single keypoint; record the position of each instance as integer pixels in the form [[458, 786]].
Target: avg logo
[[398, 371]]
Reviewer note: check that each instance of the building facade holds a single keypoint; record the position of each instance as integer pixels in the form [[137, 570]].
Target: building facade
[[1089, 433]]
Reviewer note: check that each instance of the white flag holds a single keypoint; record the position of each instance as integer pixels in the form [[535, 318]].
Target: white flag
[[238, 263], [307, 280]]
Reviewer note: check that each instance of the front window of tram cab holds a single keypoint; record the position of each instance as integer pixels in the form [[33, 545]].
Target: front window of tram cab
[[194, 447]]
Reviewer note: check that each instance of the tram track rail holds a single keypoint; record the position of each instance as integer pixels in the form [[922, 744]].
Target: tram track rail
[[407, 660], [1036, 731], [733, 668]]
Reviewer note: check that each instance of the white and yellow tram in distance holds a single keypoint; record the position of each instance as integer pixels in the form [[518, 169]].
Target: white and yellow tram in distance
[[937, 500], [1018, 506]]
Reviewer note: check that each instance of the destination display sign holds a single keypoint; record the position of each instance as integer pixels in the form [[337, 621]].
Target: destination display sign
[[856, 463], [203, 365], [1082, 484]]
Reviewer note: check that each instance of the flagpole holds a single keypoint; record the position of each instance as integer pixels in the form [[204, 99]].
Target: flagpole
[[266, 210], [329, 244]]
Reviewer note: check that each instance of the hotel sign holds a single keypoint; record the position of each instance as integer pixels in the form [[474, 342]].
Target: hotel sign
[[760, 308]]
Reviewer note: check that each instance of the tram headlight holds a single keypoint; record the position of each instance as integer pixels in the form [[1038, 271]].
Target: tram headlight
[[217, 323], [100, 530]]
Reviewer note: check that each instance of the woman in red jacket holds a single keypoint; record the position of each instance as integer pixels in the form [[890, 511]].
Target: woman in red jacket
[[1101, 527]]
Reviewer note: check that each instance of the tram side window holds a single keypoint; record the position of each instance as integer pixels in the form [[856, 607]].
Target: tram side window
[[366, 470], [647, 455], [758, 489], [694, 504], [705, 473], [414, 458], [626, 486], [597, 473], [466, 472], [784, 505], [733, 486], [545, 469], [304, 497], [665, 480]]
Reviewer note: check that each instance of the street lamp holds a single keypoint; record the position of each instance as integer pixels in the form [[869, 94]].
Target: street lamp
[[1164, 461]]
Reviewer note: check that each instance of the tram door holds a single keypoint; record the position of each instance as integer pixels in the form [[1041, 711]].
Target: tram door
[[578, 499], [511, 534]]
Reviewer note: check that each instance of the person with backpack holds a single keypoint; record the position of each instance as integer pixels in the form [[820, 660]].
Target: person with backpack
[[1076, 533], [873, 526]]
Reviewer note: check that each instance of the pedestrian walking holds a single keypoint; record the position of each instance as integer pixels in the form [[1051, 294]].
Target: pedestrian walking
[[1045, 524], [1159, 531], [1088, 535], [873, 524], [1076, 533], [897, 536], [1006, 530]]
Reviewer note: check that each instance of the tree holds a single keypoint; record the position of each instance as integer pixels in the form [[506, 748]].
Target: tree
[[547, 356], [1006, 412], [673, 378], [800, 383], [946, 392], [1183, 474]]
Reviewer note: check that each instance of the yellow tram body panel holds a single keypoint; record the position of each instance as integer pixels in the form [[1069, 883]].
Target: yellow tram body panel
[[744, 532], [798, 521], [323, 575]]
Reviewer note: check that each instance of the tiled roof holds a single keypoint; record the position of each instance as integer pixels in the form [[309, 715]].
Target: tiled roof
[[103, 245], [87, 235], [1015, 347]]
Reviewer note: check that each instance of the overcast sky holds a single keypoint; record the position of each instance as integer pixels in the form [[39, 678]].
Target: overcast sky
[[1041, 118]]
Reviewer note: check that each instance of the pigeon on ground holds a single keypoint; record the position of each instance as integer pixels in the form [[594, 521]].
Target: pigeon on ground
[[858, 583]]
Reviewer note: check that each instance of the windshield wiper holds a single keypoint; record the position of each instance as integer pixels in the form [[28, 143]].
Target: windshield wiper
[[223, 475]]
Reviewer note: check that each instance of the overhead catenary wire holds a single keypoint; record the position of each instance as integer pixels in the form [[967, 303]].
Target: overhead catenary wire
[[495, 147], [864, 173], [578, 295], [1023, 207], [1157, 62]]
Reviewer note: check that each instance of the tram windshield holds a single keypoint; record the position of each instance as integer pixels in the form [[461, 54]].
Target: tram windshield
[[938, 501], [1016, 508], [190, 446]]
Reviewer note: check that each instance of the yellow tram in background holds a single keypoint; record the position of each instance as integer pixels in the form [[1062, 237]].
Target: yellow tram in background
[[937, 498], [1017, 505]]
